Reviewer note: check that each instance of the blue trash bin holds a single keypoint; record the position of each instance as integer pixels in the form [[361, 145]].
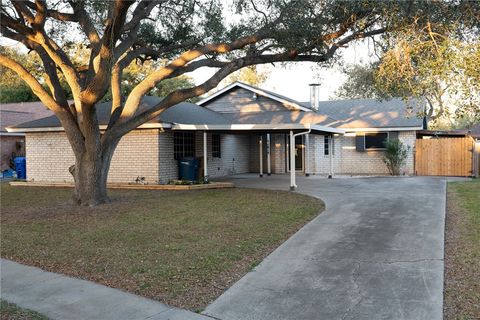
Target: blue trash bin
[[188, 169], [21, 167]]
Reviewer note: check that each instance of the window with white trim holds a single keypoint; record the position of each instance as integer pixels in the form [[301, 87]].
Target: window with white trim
[[183, 144]]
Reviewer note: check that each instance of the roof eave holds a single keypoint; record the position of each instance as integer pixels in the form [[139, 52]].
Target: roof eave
[[375, 129], [102, 127], [246, 127]]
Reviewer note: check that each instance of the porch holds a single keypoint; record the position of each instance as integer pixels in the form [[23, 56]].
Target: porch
[[270, 150]]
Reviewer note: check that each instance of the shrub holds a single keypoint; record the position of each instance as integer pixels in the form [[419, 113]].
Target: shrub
[[395, 155]]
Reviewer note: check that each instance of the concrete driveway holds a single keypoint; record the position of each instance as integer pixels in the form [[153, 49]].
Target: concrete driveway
[[376, 252]]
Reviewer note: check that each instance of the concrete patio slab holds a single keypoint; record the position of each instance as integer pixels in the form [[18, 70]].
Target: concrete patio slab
[[376, 252], [61, 297]]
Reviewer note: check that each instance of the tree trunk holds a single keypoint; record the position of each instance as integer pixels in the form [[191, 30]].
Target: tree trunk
[[90, 173]]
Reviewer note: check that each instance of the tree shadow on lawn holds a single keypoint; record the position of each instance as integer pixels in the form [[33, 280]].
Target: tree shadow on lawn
[[183, 248]]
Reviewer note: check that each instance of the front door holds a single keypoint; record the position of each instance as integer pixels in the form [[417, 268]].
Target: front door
[[299, 153]]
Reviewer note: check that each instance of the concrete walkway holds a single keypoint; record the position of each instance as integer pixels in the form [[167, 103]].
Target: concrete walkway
[[376, 252], [61, 297]]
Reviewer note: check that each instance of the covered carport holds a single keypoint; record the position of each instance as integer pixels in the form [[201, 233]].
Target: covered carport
[[264, 132]]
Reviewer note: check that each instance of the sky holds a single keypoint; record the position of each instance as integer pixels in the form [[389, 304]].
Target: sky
[[293, 80]]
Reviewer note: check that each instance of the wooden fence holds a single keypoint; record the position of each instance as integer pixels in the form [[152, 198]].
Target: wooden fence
[[444, 157]]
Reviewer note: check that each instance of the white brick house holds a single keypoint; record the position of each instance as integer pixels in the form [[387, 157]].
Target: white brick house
[[246, 129]]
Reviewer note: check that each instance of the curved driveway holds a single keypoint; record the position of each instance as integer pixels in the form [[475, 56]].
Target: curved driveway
[[376, 252]]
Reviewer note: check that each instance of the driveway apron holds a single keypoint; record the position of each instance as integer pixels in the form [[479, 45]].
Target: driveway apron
[[376, 252]]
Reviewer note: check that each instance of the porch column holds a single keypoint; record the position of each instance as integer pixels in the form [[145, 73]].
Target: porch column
[[205, 155], [261, 155], [269, 165], [307, 155], [330, 156], [292, 161]]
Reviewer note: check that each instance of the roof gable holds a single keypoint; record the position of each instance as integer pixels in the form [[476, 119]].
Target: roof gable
[[241, 97]]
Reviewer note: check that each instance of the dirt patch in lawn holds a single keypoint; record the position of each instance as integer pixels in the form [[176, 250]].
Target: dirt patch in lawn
[[183, 248], [462, 251]]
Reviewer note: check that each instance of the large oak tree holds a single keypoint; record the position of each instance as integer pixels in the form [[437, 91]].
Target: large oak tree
[[186, 35]]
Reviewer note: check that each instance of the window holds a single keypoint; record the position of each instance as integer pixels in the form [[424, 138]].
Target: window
[[183, 144], [375, 140], [216, 146], [326, 146]]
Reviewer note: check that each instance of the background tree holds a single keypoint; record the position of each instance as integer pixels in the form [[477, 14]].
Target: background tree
[[440, 68], [184, 35], [250, 75], [360, 83], [12, 88]]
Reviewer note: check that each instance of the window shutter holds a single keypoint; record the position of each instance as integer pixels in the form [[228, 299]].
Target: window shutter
[[393, 135], [360, 141]]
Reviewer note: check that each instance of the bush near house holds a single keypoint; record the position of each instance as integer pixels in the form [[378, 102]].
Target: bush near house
[[395, 155]]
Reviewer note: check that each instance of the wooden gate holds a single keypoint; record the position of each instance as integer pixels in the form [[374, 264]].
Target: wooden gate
[[444, 157]]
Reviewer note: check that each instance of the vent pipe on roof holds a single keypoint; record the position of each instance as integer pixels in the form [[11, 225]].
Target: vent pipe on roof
[[314, 95]]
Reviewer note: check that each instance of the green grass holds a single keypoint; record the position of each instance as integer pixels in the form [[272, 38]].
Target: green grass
[[10, 311], [462, 251], [180, 247]]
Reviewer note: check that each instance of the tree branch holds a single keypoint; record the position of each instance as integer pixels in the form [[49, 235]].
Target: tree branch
[[103, 62], [32, 82], [149, 83]]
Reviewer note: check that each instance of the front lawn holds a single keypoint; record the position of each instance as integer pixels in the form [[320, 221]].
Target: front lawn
[[10, 311], [462, 251], [183, 248]]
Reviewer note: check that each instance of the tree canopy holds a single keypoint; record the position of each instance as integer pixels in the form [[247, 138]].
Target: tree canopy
[[182, 36], [442, 68]]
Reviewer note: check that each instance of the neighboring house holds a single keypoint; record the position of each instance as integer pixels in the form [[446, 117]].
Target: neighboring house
[[246, 129], [11, 114]]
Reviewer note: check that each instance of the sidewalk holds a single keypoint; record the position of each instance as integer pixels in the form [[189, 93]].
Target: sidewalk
[[59, 297]]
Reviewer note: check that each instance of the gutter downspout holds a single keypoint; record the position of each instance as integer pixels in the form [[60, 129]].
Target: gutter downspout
[[261, 155], [205, 155], [307, 155], [330, 156], [293, 185], [269, 165]]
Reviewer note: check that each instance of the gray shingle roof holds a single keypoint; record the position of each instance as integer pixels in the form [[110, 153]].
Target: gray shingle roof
[[370, 113], [345, 114], [186, 113], [279, 117], [15, 113]]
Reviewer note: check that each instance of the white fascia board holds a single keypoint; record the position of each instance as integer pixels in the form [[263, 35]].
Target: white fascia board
[[102, 127], [12, 134], [247, 127], [257, 91], [382, 129], [328, 129]]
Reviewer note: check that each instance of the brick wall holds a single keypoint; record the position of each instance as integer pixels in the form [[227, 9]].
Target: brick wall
[[234, 151], [319, 162], [370, 162], [149, 154], [144, 154], [278, 153], [49, 156]]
